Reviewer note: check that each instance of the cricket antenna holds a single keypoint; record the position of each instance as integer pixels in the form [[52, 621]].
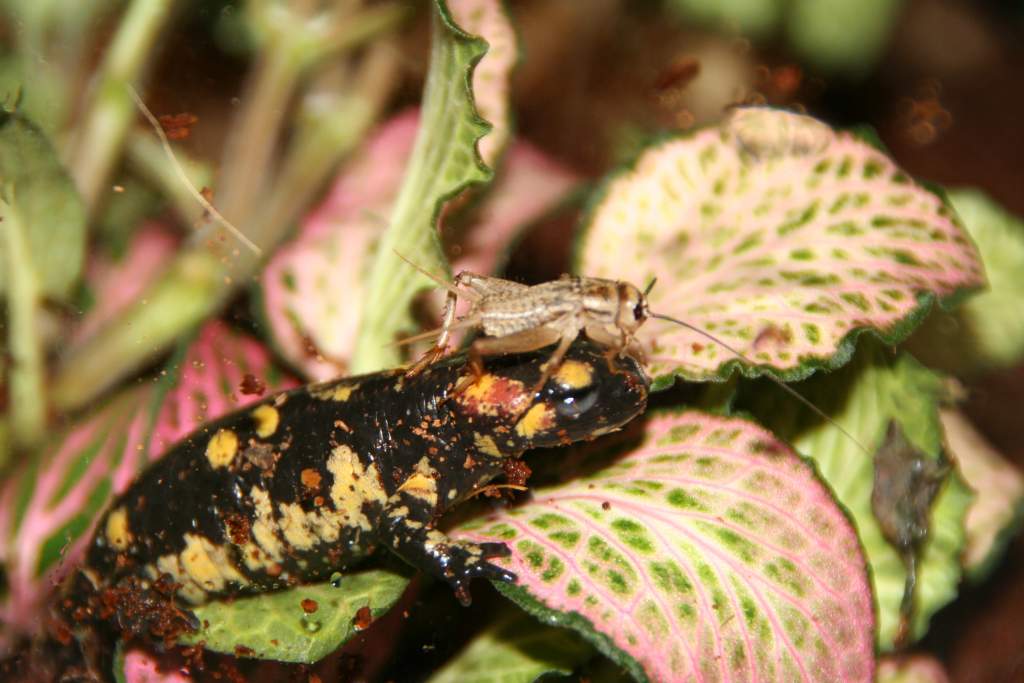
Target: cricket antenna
[[183, 177], [650, 286], [782, 385]]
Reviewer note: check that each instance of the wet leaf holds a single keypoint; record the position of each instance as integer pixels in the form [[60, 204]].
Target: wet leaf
[[708, 550], [286, 627], [779, 236], [116, 283]]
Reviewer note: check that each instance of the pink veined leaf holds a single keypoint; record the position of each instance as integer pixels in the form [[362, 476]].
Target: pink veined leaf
[[781, 237], [313, 286], [529, 185], [911, 668], [48, 508], [213, 379], [487, 19], [117, 283], [142, 667], [708, 552], [998, 487]]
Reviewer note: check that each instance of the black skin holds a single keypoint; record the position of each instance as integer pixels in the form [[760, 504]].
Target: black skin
[[388, 421]]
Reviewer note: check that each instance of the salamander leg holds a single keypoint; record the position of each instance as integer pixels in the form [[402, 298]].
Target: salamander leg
[[409, 532]]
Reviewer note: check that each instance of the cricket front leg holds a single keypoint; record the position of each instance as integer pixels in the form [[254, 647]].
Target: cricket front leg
[[409, 532]]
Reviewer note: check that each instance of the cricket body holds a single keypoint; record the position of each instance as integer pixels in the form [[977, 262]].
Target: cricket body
[[516, 318], [312, 480]]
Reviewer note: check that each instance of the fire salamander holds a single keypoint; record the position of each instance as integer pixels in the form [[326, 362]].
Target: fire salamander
[[311, 480]]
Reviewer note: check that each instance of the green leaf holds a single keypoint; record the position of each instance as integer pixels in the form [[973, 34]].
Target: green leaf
[[515, 649], [987, 331], [863, 397], [36, 187], [841, 35], [751, 18], [278, 626], [444, 162]]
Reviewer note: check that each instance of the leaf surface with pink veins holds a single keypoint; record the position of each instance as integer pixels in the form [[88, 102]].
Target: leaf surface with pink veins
[[491, 77], [708, 551], [781, 237]]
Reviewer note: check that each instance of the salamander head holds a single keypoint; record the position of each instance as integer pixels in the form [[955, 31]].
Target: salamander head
[[587, 396]]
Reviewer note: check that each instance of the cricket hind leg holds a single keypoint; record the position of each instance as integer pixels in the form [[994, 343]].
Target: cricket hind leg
[[466, 285], [518, 342]]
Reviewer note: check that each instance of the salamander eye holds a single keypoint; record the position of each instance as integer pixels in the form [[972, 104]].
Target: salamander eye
[[576, 403]]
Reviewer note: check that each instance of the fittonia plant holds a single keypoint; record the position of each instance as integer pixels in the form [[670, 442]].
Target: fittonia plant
[[724, 538]]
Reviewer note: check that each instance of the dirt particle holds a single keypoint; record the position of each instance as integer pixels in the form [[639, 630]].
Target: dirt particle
[[363, 618], [517, 472], [238, 528], [178, 126], [310, 478], [252, 385], [309, 606]]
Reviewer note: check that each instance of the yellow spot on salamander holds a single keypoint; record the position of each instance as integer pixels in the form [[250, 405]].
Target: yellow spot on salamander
[[208, 565], [574, 374], [267, 419], [480, 394], [353, 486], [221, 449], [422, 483], [296, 526], [333, 391], [264, 526], [539, 418], [417, 482], [486, 445], [118, 535]]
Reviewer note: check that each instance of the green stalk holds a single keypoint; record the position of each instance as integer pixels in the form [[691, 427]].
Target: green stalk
[[111, 110], [199, 282], [289, 56], [27, 399], [342, 115], [179, 299]]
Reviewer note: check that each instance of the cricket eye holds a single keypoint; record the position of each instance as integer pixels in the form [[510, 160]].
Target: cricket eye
[[638, 311], [577, 403]]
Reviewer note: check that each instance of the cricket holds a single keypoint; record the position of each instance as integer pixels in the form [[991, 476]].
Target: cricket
[[517, 318]]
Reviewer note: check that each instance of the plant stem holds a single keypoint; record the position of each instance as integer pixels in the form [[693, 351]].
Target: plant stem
[[111, 110], [181, 298], [27, 399], [199, 282], [338, 119]]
